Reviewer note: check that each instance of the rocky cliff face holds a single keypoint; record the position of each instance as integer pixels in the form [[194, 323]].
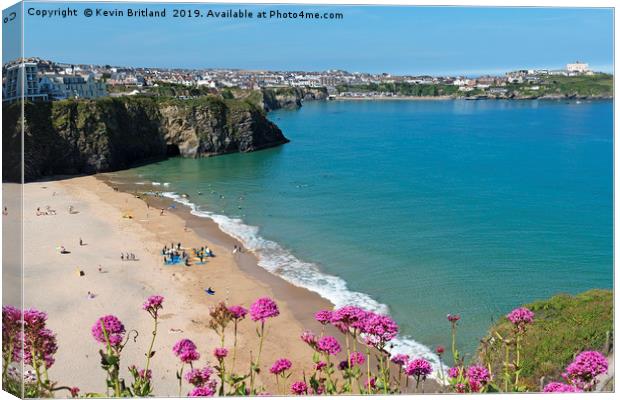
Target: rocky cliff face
[[72, 137], [290, 98]]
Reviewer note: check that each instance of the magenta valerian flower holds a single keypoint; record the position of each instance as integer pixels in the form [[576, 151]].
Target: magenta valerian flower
[[357, 358], [42, 344], [264, 308], [440, 350], [220, 353], [11, 332], [454, 372], [237, 312], [453, 317], [371, 383], [478, 376], [280, 366], [75, 391], [328, 345], [323, 316], [348, 317], [200, 376], [299, 388], [202, 391], [153, 304], [320, 365], [185, 349], [585, 368], [146, 375], [309, 338], [400, 359], [559, 387], [114, 329], [379, 329], [520, 317], [419, 368]]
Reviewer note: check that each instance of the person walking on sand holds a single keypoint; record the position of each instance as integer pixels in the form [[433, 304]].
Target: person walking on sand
[[161, 213], [81, 242]]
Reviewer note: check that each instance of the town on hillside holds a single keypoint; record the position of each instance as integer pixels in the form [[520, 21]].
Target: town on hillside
[[45, 80]]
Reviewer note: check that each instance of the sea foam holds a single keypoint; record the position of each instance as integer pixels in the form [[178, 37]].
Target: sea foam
[[281, 262]]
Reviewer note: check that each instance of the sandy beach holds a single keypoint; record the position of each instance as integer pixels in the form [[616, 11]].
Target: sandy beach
[[53, 284]]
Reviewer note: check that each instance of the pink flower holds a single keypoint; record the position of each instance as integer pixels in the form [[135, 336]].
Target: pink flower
[[371, 383], [185, 349], [238, 312], [323, 316], [43, 344], [280, 366], [220, 353], [299, 388], [199, 376], [419, 367], [478, 376], [379, 329], [113, 327], [348, 317], [320, 365], [454, 372], [75, 391], [202, 391], [520, 317], [264, 308], [439, 350], [559, 387], [11, 332], [357, 358], [585, 367], [328, 345], [153, 304], [400, 359], [453, 317], [309, 338]]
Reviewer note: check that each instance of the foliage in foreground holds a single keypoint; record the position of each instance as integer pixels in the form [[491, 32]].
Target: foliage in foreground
[[565, 326], [340, 365]]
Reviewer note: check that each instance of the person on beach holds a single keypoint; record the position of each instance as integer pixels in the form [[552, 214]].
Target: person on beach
[[5, 211], [81, 242], [235, 249], [122, 257], [161, 213]]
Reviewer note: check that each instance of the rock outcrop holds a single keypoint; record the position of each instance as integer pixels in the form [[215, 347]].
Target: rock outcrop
[[87, 136], [290, 98]]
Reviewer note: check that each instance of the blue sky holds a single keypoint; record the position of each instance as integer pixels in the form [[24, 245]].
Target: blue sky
[[399, 40]]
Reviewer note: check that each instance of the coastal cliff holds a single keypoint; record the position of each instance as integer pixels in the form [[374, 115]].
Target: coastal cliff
[[88, 136], [290, 98]]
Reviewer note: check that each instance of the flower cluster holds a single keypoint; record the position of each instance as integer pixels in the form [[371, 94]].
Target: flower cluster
[[559, 387], [400, 359], [200, 376], [299, 388], [477, 377], [309, 338], [280, 366], [153, 304], [454, 318], [356, 358], [418, 368], [328, 345], [264, 308], [584, 369], [238, 312], [220, 353], [109, 326], [520, 317], [324, 317], [185, 349]]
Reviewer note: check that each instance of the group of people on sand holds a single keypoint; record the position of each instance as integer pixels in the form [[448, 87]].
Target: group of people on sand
[[175, 254], [128, 257], [48, 211]]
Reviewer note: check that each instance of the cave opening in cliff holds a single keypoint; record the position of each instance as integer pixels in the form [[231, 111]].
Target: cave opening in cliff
[[172, 150]]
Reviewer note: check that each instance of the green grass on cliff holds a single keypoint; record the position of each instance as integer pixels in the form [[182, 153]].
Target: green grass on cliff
[[564, 326]]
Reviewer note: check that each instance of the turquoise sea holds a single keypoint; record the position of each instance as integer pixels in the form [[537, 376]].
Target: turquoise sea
[[420, 208]]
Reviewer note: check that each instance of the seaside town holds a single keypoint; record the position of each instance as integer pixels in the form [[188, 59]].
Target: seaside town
[[48, 81]]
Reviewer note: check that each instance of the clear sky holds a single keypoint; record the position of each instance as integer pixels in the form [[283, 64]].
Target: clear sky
[[395, 39]]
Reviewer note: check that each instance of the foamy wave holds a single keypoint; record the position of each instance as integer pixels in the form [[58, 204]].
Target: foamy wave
[[279, 261]]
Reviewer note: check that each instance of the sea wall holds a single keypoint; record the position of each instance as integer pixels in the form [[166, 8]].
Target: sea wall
[[88, 136]]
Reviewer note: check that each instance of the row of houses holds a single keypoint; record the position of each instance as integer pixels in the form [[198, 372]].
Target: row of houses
[[24, 81]]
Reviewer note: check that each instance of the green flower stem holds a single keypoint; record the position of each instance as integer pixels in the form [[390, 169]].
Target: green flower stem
[[148, 355]]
